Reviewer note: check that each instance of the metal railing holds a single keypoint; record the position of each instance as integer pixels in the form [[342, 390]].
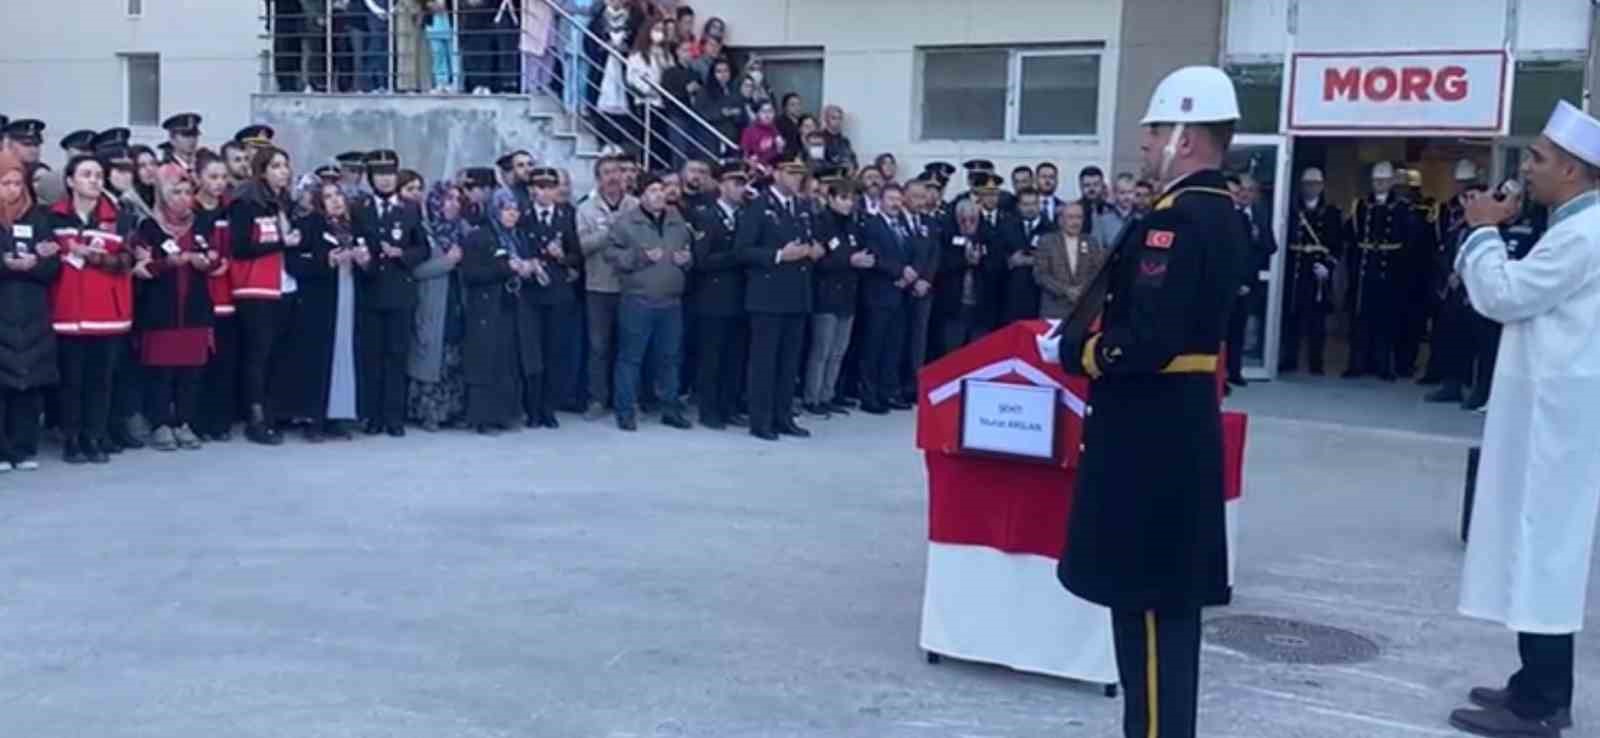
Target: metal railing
[[487, 47]]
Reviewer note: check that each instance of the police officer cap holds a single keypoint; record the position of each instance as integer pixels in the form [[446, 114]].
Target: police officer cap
[[328, 172], [1198, 94], [940, 169], [118, 136], [1466, 171], [1312, 174], [545, 176], [183, 124], [383, 161], [1575, 132], [354, 160], [480, 177], [987, 182], [978, 165], [733, 169], [796, 164], [114, 154], [255, 135], [28, 131], [81, 140], [1383, 170]]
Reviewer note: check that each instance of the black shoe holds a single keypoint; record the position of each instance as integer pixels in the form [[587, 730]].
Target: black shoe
[[1316, 371], [1238, 381], [372, 428], [1387, 376], [738, 420], [1495, 699], [548, 420], [764, 435], [96, 454], [1446, 393], [900, 405], [790, 429], [1288, 368], [816, 409], [120, 439], [486, 429], [110, 445], [1353, 374], [845, 402], [313, 434], [396, 431], [713, 423], [676, 420], [336, 430], [873, 408], [72, 452], [1429, 380], [628, 424], [1500, 722], [838, 408]]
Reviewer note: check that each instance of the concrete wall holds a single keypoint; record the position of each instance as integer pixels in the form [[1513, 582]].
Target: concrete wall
[[60, 63], [870, 63], [1158, 36], [434, 134]]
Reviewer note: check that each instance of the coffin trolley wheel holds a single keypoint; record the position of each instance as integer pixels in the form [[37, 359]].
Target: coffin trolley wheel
[[1111, 691], [934, 658]]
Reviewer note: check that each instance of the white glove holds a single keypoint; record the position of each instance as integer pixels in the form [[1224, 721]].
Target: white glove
[[1319, 270]]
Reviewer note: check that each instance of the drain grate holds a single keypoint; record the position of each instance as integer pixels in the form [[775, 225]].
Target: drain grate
[[1290, 641]]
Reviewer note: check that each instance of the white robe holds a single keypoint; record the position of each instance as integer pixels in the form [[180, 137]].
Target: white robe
[[1538, 486]]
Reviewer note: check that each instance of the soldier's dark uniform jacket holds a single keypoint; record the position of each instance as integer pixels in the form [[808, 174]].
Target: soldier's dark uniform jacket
[[765, 227], [718, 273], [1147, 529], [1379, 234], [1316, 236]]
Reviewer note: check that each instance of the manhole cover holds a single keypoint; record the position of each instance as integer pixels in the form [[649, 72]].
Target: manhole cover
[[1289, 641]]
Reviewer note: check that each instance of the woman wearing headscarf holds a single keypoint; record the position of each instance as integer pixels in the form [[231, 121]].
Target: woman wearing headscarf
[[174, 310], [91, 308], [28, 266], [259, 232], [316, 379], [219, 387], [501, 344], [438, 391]]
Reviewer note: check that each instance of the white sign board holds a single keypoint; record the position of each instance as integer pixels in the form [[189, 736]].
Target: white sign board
[[1446, 92], [1009, 419]]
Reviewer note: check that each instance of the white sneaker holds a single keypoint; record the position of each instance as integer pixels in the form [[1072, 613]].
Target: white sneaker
[[5, 466], [27, 465]]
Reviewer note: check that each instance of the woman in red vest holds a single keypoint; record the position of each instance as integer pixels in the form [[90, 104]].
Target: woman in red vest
[[259, 231], [92, 307]]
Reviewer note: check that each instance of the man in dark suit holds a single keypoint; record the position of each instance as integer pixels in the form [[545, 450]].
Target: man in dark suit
[[928, 226], [1022, 291], [1260, 246], [884, 293], [386, 294], [775, 240], [717, 301], [1003, 236]]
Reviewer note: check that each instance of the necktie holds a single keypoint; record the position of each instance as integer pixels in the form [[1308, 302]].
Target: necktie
[[789, 206], [544, 218]]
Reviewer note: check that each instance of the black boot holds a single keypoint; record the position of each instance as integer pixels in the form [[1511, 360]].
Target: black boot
[[93, 451], [72, 452], [259, 430]]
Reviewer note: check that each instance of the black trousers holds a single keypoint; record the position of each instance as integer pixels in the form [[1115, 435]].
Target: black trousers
[[127, 383], [776, 340], [1450, 347], [1158, 661], [1484, 337], [556, 359], [264, 332], [1238, 318], [88, 364], [1306, 326], [719, 365], [1372, 345], [172, 394], [1544, 684], [19, 424], [880, 356], [383, 348], [219, 386]]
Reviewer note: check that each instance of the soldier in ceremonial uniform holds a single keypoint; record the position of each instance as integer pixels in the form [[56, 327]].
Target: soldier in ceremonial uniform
[[1450, 346], [1147, 539], [183, 132], [1315, 242], [386, 294], [777, 242], [551, 227], [717, 300], [1380, 224], [1418, 303]]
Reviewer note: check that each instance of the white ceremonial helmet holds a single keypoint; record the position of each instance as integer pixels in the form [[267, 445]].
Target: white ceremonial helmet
[[1312, 174], [1383, 170], [1466, 171], [1196, 94]]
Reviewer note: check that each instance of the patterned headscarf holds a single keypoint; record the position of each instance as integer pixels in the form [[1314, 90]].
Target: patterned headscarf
[[446, 232], [174, 219]]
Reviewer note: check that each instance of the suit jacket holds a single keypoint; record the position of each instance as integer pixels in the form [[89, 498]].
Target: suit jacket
[[1004, 238], [563, 229], [894, 251], [718, 278], [1022, 292], [387, 283], [926, 231], [764, 228], [1060, 285]]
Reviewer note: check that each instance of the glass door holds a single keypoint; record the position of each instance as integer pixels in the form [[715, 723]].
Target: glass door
[[1266, 158]]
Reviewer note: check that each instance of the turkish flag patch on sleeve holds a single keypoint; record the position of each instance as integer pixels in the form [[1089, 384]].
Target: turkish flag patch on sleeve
[[1159, 239]]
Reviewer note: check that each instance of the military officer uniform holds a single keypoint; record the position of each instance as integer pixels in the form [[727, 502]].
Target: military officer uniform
[[778, 296], [717, 303], [185, 125], [1316, 238], [1418, 302], [386, 295], [1147, 539], [553, 303], [1450, 345], [1379, 231]]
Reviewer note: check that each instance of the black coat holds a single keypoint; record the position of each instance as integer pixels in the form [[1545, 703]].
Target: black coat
[[1147, 529], [157, 306], [717, 288], [563, 229], [1022, 290], [499, 320], [1316, 236], [1004, 238], [27, 342], [764, 228], [838, 282], [1377, 239], [894, 253], [303, 377], [386, 284], [954, 268]]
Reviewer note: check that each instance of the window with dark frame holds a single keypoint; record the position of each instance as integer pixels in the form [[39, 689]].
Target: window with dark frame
[[143, 94], [1009, 94]]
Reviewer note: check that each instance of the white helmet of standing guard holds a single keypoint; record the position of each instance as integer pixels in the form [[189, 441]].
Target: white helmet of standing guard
[[1196, 94]]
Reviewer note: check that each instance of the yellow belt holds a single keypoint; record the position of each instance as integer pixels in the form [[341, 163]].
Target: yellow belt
[[1191, 364], [1382, 246], [1309, 248]]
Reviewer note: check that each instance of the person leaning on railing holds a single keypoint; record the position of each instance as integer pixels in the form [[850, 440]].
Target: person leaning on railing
[[648, 64]]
